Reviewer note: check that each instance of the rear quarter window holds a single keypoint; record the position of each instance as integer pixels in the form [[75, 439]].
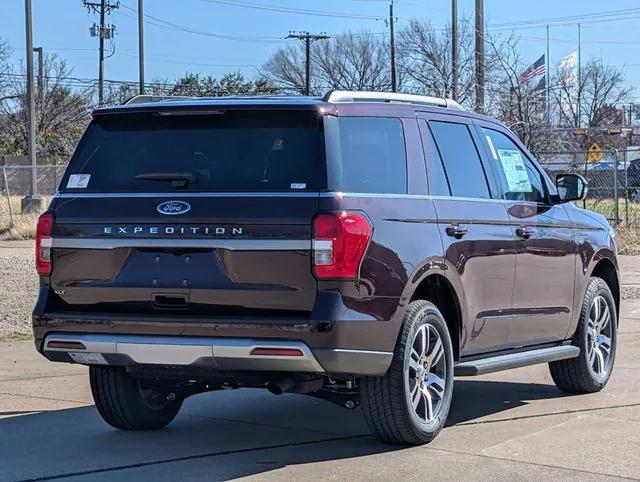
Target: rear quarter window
[[366, 155]]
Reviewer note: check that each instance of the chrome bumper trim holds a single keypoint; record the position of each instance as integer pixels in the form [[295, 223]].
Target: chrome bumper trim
[[230, 353], [231, 244]]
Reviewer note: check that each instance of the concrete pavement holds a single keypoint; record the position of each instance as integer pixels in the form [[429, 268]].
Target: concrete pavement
[[511, 425]]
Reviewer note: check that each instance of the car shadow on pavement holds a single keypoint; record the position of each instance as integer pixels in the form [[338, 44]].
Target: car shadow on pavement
[[475, 399], [221, 435]]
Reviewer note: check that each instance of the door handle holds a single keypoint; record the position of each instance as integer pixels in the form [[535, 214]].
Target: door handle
[[525, 232], [456, 231]]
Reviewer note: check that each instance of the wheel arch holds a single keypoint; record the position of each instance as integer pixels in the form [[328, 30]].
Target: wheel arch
[[606, 269], [437, 289]]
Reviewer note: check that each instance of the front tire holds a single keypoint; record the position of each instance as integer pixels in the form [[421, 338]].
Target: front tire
[[596, 336], [410, 403], [126, 404]]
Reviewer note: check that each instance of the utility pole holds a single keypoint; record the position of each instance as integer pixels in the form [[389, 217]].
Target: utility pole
[[479, 56], [102, 31], [308, 39], [579, 78], [141, 45], [454, 49], [392, 21], [33, 202]]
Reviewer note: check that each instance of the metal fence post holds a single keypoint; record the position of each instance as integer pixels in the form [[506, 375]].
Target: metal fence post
[[616, 196], [6, 190], [586, 176], [626, 189]]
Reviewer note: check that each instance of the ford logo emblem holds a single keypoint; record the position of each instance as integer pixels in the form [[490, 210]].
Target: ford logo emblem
[[173, 208]]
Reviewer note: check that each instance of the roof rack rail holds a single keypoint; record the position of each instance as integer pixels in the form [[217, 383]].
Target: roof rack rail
[[142, 98], [343, 96]]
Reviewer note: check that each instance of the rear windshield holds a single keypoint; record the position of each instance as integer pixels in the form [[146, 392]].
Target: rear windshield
[[223, 151]]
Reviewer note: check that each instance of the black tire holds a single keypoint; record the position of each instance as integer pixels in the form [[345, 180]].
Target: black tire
[[120, 401], [578, 375], [385, 400]]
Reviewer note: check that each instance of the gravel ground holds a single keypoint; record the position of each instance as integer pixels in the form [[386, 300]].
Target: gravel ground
[[19, 285]]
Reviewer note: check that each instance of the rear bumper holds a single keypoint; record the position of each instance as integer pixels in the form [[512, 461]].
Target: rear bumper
[[215, 353]]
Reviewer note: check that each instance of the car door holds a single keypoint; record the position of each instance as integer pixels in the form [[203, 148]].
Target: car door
[[545, 248], [477, 238]]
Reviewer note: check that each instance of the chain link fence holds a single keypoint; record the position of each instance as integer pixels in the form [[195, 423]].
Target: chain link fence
[[15, 184], [613, 177]]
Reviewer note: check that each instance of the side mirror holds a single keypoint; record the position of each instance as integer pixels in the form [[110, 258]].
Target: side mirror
[[571, 187]]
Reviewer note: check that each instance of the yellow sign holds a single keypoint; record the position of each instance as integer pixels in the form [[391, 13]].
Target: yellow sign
[[594, 153]]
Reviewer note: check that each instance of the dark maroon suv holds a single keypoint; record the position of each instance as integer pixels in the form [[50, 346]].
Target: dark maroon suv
[[363, 248]]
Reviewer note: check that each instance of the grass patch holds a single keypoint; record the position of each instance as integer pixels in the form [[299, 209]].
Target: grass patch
[[628, 241], [16, 337], [606, 207], [23, 225]]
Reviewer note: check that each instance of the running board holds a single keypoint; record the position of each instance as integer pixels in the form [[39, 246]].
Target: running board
[[515, 360]]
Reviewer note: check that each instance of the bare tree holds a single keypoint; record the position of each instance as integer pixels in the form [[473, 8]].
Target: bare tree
[[62, 112], [601, 88], [424, 53], [352, 61]]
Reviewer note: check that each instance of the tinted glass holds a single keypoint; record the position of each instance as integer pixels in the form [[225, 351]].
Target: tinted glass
[[461, 160], [519, 178], [228, 151], [438, 184], [366, 154]]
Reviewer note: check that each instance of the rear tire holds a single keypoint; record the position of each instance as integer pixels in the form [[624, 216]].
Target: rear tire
[[410, 404], [596, 336], [125, 404]]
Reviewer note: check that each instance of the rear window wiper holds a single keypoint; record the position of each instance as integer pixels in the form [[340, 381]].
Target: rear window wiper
[[177, 179]]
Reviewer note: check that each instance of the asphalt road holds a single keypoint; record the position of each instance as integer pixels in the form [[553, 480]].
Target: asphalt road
[[511, 425]]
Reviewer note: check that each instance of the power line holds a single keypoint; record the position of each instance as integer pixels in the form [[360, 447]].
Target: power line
[[159, 22], [291, 10]]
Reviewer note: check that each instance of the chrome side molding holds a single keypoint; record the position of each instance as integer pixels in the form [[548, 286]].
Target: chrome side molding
[[231, 244]]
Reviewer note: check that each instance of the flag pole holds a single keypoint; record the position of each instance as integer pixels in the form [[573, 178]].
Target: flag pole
[[548, 79]]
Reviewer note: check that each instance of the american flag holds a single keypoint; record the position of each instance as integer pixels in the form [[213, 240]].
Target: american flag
[[535, 69]]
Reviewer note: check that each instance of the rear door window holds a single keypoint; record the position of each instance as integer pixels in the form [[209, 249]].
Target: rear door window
[[461, 160], [366, 155], [224, 151]]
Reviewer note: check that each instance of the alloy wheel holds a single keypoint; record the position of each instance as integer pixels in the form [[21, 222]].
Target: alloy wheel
[[426, 374], [599, 336]]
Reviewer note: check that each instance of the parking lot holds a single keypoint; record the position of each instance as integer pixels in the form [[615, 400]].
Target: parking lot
[[503, 426]]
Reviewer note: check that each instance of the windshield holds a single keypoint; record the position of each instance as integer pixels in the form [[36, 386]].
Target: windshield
[[220, 151]]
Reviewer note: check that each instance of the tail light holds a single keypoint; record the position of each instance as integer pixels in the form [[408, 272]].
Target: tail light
[[339, 243], [43, 244]]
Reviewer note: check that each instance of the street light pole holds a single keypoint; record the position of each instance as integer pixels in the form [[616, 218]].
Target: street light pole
[[32, 202]]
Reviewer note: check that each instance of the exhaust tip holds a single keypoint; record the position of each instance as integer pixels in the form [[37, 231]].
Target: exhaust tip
[[279, 387], [66, 345]]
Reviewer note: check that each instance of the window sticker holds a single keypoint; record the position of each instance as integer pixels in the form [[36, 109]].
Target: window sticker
[[514, 170], [78, 181], [493, 149], [298, 185]]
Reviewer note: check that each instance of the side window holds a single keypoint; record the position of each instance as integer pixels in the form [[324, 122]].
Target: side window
[[366, 154], [461, 160], [520, 179], [437, 178]]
